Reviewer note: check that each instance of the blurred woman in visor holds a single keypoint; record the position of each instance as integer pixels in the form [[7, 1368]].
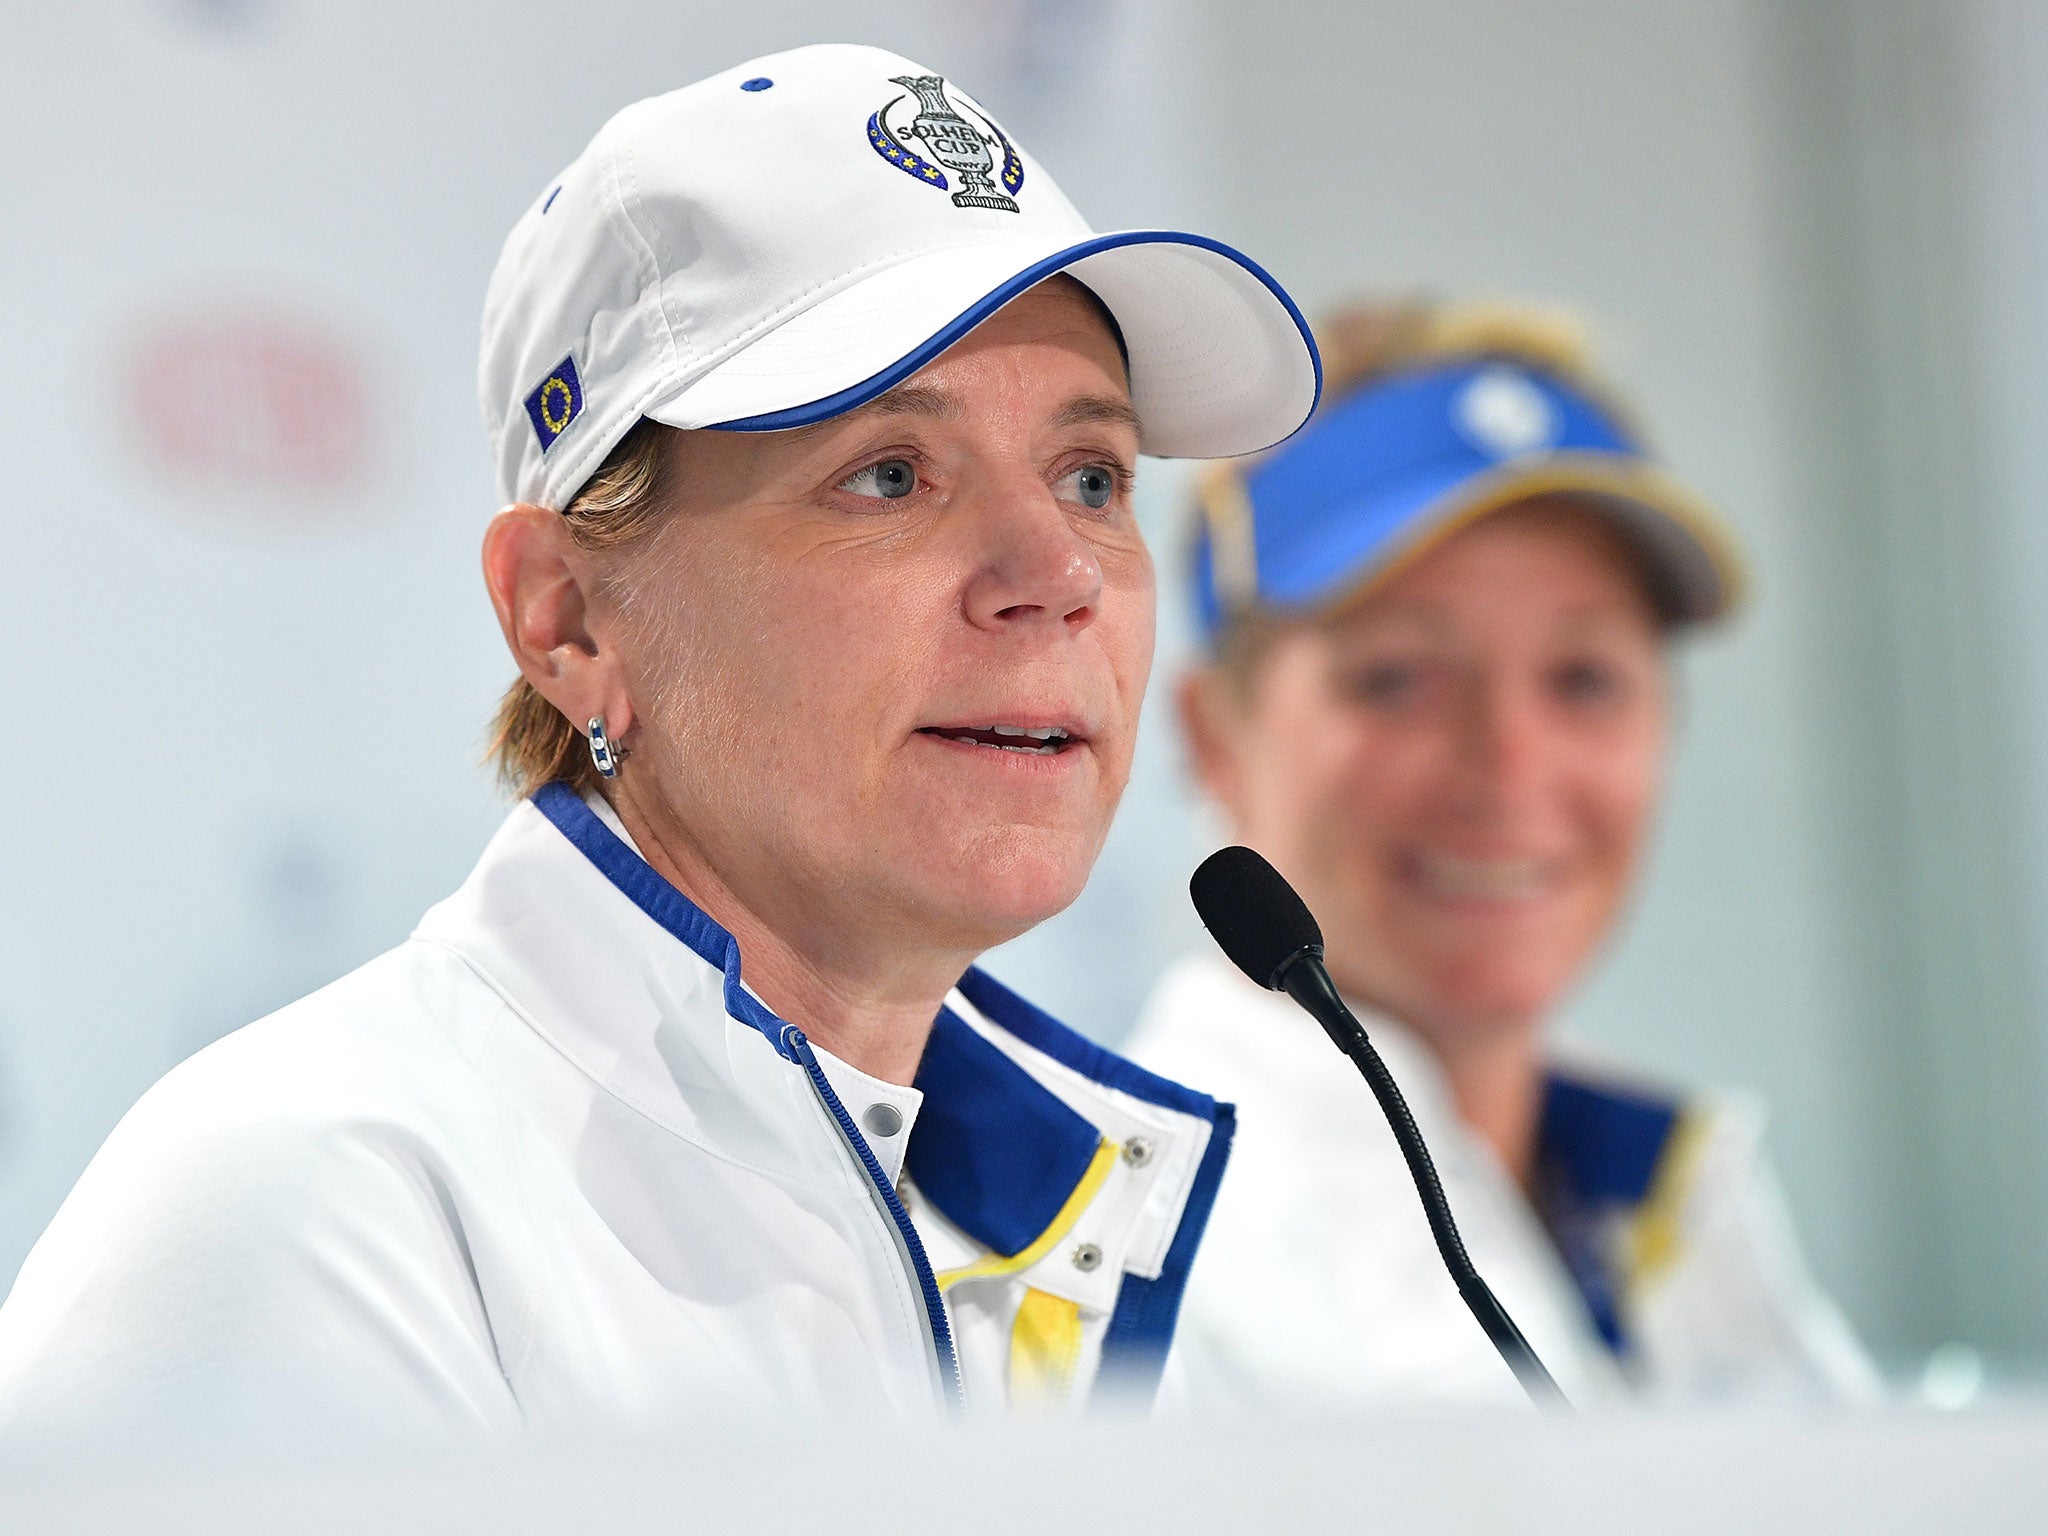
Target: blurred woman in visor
[[831, 620], [1438, 698]]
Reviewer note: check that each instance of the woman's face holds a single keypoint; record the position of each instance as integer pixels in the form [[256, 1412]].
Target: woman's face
[[1459, 770], [886, 670]]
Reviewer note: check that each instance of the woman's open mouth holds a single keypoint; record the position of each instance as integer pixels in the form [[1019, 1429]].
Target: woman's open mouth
[[1039, 741], [1498, 881]]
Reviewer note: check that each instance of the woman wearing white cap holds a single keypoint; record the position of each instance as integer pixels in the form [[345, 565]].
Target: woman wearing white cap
[[817, 407], [1437, 698]]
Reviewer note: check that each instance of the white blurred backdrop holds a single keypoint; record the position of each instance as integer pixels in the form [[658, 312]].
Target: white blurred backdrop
[[242, 252]]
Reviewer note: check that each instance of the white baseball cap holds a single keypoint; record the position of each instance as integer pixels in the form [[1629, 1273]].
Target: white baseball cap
[[787, 240]]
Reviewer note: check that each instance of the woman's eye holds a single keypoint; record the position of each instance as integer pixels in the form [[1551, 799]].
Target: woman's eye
[[886, 479], [1092, 485], [1588, 682], [1388, 682]]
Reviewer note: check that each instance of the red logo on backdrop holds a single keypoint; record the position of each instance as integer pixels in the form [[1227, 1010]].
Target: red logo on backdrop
[[251, 399]]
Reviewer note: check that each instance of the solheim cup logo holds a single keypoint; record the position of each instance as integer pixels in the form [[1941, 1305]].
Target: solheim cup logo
[[950, 139]]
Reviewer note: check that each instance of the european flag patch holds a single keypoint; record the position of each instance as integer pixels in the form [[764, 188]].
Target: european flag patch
[[557, 402]]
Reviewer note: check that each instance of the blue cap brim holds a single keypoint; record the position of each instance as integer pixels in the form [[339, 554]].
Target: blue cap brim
[[1354, 545]]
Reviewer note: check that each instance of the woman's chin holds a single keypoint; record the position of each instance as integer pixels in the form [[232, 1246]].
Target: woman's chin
[[1488, 971], [1488, 995], [991, 895]]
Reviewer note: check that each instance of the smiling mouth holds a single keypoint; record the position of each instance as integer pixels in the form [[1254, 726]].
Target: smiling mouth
[[1489, 880], [1037, 741]]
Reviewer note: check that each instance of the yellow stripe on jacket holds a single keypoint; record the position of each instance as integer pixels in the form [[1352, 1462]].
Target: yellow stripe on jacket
[[991, 1265], [1045, 1352]]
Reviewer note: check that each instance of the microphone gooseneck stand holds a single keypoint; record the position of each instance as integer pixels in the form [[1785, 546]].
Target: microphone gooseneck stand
[[1305, 979]]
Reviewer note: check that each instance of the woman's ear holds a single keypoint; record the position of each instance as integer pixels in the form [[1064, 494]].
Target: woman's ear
[[1211, 722], [540, 586]]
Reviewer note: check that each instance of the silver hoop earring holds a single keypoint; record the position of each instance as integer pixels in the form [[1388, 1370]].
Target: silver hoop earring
[[602, 753]]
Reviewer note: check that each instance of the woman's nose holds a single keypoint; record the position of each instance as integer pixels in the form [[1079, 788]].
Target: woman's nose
[[1033, 566], [1503, 743]]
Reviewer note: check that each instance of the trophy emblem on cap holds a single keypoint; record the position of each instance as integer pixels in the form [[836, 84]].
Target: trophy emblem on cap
[[952, 141]]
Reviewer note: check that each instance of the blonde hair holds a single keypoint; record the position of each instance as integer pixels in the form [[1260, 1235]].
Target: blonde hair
[[1364, 342], [532, 742]]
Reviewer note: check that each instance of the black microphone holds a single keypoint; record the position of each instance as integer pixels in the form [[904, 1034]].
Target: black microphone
[[1268, 932]]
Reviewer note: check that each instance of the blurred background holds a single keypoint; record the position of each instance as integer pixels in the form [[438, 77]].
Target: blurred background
[[243, 247]]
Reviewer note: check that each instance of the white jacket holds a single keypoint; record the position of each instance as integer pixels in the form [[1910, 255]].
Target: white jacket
[[1320, 1284], [549, 1163]]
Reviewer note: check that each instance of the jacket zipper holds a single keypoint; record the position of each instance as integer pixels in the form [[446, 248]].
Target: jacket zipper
[[920, 1267]]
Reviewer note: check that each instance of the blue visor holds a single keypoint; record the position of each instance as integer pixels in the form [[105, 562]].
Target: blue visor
[[1373, 475]]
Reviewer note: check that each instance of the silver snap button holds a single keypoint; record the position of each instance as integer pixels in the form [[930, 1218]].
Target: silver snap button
[[1138, 1151], [1087, 1258], [882, 1119]]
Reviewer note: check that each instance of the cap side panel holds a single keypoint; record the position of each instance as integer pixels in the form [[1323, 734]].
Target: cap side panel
[[610, 333], [648, 240]]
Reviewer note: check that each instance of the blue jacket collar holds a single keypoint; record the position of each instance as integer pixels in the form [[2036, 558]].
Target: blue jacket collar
[[1602, 1141], [993, 1149], [1600, 1151]]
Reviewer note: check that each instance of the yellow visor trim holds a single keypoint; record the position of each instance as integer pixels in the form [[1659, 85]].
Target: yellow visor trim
[[1226, 504]]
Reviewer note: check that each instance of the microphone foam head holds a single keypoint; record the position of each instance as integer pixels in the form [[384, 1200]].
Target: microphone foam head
[[1253, 913]]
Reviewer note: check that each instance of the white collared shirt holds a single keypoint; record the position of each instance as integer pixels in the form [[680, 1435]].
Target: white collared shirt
[[1320, 1284], [549, 1164]]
